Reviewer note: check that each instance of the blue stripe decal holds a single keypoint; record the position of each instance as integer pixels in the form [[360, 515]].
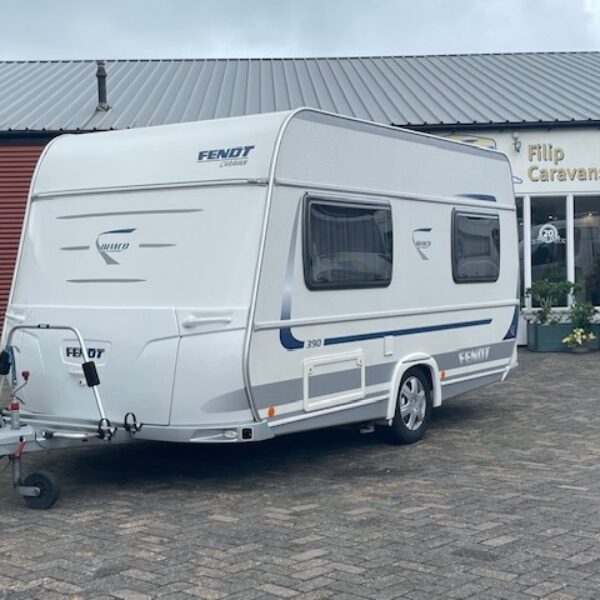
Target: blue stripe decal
[[119, 231], [485, 197], [511, 334], [286, 337], [398, 332], [288, 341]]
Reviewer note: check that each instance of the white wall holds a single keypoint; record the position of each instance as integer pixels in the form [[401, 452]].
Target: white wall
[[549, 161]]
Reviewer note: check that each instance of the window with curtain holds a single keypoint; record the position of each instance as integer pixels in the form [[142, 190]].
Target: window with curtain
[[475, 248], [347, 245], [587, 248]]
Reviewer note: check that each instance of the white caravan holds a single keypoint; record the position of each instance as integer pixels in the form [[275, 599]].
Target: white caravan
[[243, 278]]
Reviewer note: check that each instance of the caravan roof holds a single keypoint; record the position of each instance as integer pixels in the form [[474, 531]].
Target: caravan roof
[[189, 153]]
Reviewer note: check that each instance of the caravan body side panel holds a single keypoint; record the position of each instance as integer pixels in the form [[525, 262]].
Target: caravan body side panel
[[423, 312]]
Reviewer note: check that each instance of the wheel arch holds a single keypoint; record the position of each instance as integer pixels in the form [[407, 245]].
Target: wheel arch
[[428, 365]]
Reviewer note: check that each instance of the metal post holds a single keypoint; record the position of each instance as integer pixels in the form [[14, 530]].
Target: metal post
[[16, 470], [16, 457], [570, 231], [101, 78], [527, 246]]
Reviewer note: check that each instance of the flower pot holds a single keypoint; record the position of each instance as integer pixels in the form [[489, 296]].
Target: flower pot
[[579, 339], [548, 338], [595, 344], [581, 349]]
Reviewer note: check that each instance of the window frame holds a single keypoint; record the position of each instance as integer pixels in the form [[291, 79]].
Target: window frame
[[308, 201], [481, 215]]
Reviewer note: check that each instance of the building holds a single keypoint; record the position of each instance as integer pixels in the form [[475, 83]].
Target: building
[[541, 109]]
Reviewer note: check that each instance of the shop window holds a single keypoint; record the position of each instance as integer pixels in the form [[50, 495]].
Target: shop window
[[347, 245], [587, 248], [549, 240], [475, 248], [520, 228]]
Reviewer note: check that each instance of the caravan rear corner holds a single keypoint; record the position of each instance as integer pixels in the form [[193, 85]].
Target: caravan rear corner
[[243, 278]]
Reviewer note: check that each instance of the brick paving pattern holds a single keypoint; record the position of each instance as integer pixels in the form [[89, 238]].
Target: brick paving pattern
[[499, 501]]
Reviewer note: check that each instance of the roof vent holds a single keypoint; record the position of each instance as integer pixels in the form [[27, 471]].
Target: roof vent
[[101, 78]]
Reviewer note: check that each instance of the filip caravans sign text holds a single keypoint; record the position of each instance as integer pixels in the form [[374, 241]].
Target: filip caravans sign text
[[550, 163]]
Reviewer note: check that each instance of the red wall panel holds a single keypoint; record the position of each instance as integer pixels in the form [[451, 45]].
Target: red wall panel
[[16, 168]]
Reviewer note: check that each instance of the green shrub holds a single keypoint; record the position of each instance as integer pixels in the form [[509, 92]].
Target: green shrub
[[547, 294], [582, 314]]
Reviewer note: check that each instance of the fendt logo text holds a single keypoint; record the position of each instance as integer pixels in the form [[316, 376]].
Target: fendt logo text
[[474, 355], [76, 352], [228, 157]]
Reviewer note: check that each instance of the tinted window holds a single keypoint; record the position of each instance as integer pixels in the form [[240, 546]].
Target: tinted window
[[347, 245], [475, 248], [549, 240], [587, 248]]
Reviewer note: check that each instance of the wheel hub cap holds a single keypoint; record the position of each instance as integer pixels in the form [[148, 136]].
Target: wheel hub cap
[[413, 403]]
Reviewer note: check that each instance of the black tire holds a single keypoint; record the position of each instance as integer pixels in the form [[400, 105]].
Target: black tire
[[413, 408], [48, 486]]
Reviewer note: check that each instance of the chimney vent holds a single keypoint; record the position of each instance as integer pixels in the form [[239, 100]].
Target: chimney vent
[[101, 78]]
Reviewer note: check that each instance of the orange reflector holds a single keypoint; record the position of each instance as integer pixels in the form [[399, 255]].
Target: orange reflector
[[442, 374], [271, 411]]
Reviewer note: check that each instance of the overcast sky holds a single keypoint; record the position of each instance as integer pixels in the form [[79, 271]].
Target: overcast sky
[[59, 29]]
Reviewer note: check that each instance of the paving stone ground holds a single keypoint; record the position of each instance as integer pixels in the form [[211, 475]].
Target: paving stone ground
[[499, 501]]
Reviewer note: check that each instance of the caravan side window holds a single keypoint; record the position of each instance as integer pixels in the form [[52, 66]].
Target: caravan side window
[[475, 247], [347, 244]]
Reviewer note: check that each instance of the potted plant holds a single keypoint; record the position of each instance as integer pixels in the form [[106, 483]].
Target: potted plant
[[582, 337], [546, 331]]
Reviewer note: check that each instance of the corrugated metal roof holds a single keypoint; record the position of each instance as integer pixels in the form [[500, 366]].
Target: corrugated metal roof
[[426, 91]]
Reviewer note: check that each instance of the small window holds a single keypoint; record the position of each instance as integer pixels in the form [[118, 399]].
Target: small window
[[475, 248], [347, 245]]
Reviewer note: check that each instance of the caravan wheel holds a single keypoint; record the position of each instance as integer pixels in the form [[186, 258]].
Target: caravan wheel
[[47, 483], [413, 408]]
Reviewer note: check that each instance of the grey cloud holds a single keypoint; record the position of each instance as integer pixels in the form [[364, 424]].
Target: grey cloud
[[59, 29]]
